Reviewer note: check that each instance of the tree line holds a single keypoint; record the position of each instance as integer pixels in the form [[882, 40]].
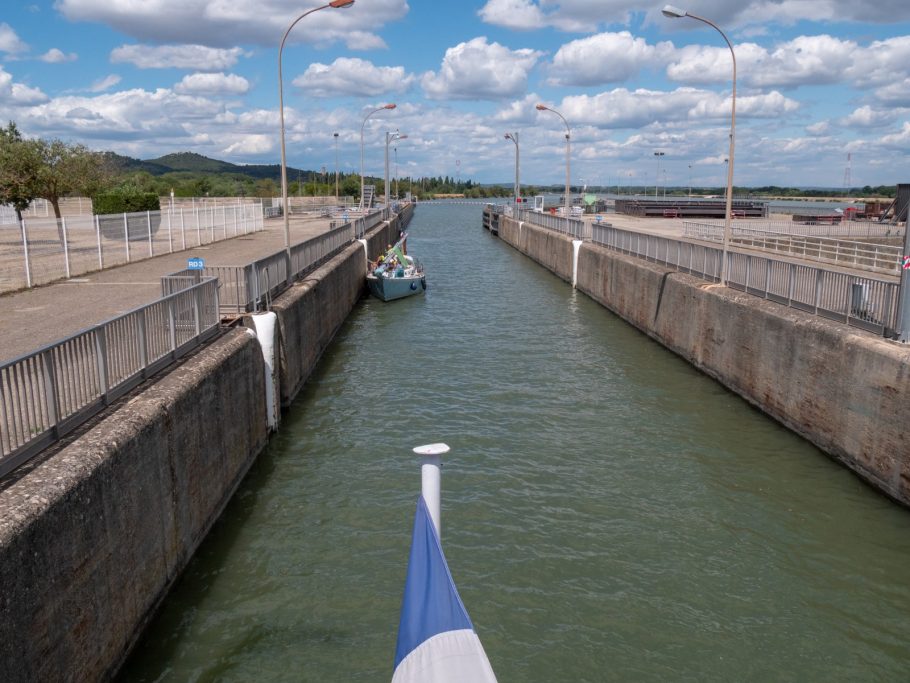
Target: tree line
[[53, 169]]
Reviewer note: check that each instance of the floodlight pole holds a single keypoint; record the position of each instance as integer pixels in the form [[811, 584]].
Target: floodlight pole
[[335, 4], [676, 13]]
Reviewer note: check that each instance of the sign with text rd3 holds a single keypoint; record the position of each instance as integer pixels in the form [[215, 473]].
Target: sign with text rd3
[[195, 263]]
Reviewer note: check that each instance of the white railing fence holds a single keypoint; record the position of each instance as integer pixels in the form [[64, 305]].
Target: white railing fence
[[48, 393], [864, 302], [41, 250]]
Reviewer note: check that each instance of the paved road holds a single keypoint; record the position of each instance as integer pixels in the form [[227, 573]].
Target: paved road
[[42, 315]]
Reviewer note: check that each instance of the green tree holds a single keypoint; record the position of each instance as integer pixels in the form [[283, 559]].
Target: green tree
[[19, 166], [67, 169]]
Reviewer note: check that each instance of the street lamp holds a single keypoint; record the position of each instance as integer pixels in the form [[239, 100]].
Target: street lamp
[[389, 137], [514, 138], [336, 168], [676, 13], [543, 107], [334, 4], [397, 195], [657, 176], [385, 106]]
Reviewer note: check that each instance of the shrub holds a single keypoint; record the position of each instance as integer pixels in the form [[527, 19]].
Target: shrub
[[125, 202]]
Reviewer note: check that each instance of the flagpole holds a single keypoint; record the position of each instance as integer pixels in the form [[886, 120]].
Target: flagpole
[[431, 479]]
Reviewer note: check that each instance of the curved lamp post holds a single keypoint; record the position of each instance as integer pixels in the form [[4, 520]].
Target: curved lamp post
[[676, 13], [657, 176], [334, 4], [514, 138], [543, 107], [385, 106], [389, 137], [336, 168]]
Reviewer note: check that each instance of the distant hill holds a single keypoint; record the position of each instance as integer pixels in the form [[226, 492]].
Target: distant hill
[[190, 162]]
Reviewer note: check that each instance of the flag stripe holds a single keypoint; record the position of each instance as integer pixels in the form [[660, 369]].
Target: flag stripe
[[431, 604]]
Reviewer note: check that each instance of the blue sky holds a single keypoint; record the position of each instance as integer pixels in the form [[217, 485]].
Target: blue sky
[[817, 81]]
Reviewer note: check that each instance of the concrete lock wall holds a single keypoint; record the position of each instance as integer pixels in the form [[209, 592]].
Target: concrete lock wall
[[310, 312], [92, 538], [841, 388]]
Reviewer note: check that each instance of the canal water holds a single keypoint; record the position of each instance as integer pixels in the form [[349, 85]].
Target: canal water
[[608, 513]]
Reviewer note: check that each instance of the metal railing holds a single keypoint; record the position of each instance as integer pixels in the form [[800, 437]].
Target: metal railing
[[844, 229], [867, 303], [46, 394], [252, 287], [41, 250], [572, 227], [881, 258]]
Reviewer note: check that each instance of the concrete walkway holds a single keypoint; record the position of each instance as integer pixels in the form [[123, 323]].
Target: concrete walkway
[[42, 315]]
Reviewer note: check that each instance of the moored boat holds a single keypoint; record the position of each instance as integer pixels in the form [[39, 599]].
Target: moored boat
[[396, 275]]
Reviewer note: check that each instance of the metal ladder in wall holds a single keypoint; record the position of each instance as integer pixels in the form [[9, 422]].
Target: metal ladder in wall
[[369, 192]]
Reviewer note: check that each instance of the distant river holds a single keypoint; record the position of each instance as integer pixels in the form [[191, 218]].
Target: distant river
[[608, 512]]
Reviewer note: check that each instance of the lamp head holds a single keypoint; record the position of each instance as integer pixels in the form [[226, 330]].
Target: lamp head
[[337, 4], [541, 107], [391, 105], [402, 136], [508, 136], [674, 12]]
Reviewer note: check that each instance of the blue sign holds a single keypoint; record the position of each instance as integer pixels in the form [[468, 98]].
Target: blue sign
[[344, 216], [195, 263]]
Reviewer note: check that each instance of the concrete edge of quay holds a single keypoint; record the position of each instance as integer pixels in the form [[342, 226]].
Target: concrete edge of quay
[[93, 537], [838, 387]]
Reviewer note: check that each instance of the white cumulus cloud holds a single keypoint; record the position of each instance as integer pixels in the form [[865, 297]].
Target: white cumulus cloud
[[350, 76], [477, 69], [9, 41], [224, 23], [14, 94], [249, 145], [197, 57], [605, 58], [868, 117], [56, 56], [105, 83], [580, 16], [213, 84]]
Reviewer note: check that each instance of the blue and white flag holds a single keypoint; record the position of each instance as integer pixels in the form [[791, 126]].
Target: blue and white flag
[[436, 639]]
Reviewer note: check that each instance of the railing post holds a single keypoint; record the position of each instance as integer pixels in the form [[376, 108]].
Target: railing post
[[903, 299], [170, 234], [183, 228], [50, 388], [791, 283], [196, 313], [217, 289], [101, 361], [98, 238], [148, 223], [28, 265], [767, 276], [172, 325], [66, 247], [143, 342], [126, 237], [818, 288]]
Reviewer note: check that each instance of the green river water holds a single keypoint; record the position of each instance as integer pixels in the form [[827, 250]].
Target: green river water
[[608, 513]]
